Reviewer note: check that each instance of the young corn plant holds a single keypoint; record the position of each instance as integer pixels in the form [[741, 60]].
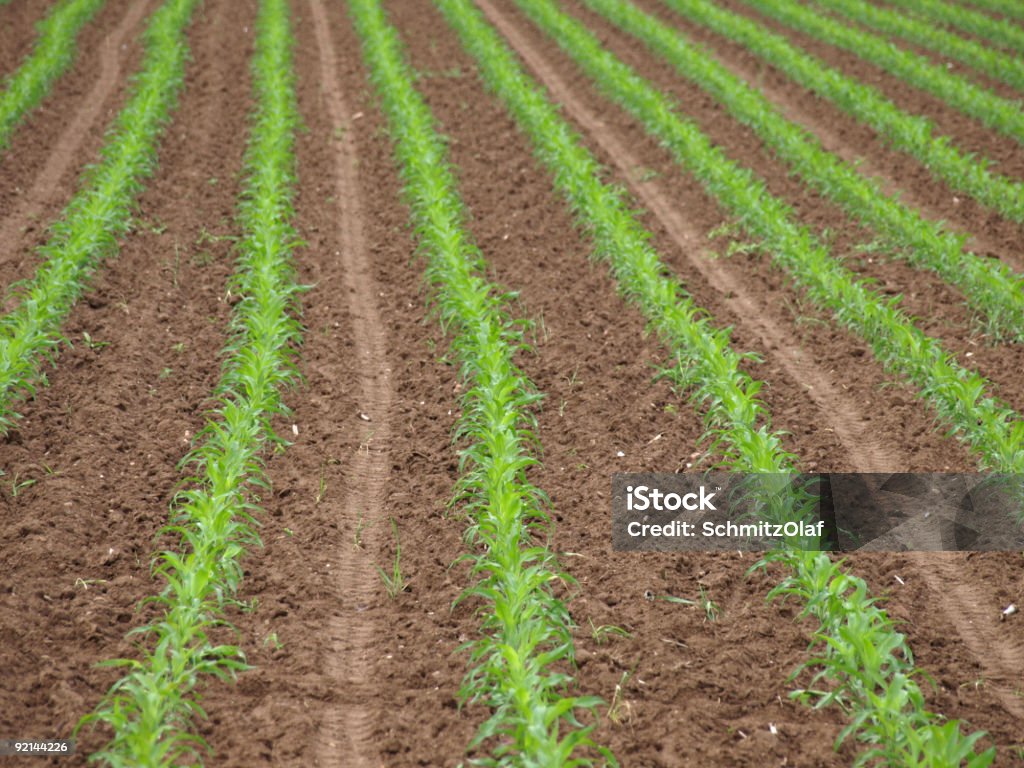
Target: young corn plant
[[992, 31], [518, 665], [914, 135], [97, 215], [522, 97], [994, 291], [151, 709], [996, 64], [981, 103], [50, 58]]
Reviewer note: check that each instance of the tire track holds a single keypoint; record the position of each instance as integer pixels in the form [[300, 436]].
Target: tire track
[[351, 634], [999, 652], [866, 452], [67, 151]]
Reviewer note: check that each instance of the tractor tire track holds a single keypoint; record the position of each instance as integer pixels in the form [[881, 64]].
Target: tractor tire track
[[351, 634], [999, 650]]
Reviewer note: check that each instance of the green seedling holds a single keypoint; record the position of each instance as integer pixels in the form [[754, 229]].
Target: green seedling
[[361, 528], [711, 610], [17, 486], [673, 599], [394, 582], [619, 710], [517, 668], [92, 343], [603, 633]]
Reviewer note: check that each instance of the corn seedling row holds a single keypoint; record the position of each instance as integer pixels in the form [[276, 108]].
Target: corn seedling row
[[97, 215], [53, 53], [601, 214], [992, 31], [912, 134], [868, 670], [996, 64], [526, 640], [991, 289], [151, 709], [981, 103], [702, 361]]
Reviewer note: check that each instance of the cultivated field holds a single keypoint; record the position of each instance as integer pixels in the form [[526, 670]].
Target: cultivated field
[[327, 323]]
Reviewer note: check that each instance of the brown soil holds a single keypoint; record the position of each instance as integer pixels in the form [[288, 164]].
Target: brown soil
[[344, 675]]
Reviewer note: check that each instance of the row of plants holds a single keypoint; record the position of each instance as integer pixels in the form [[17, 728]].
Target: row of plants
[[861, 652], [861, 663], [53, 52], [151, 709], [997, 64], [520, 664], [913, 134], [981, 103], [992, 31], [990, 287], [98, 214]]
